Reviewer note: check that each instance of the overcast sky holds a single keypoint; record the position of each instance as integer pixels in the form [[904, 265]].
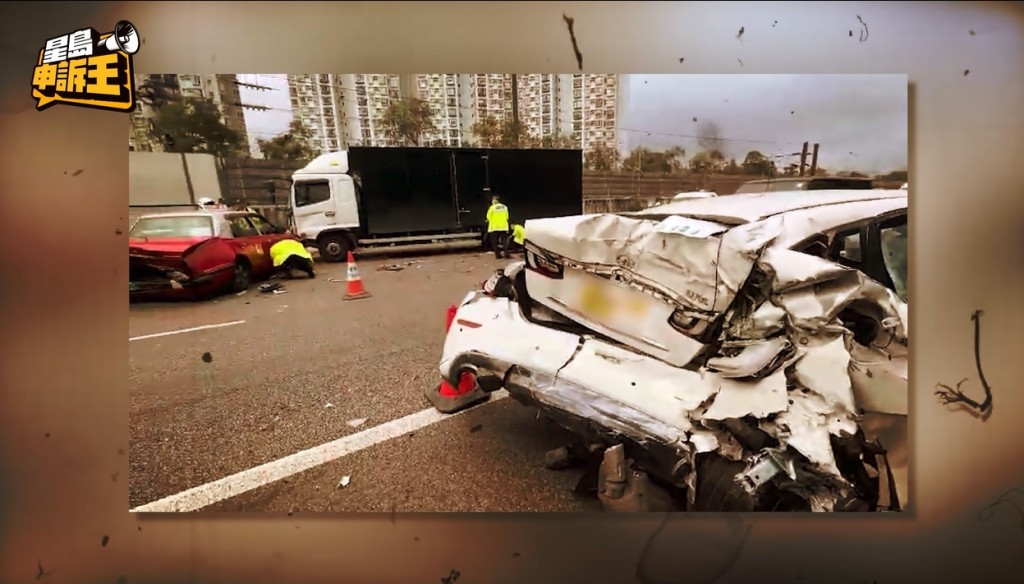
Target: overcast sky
[[859, 120]]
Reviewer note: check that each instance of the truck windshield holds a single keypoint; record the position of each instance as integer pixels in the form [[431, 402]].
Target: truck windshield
[[182, 226]]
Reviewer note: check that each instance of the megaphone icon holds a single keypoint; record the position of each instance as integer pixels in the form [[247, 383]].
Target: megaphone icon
[[125, 38]]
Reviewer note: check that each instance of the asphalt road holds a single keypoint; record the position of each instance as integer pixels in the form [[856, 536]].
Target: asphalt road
[[303, 365]]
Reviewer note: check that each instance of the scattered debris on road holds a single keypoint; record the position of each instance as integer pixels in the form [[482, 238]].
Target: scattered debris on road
[[356, 422], [271, 287], [399, 267], [329, 405], [345, 480]]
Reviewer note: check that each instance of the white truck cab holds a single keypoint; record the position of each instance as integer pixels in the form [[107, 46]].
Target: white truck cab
[[325, 207]]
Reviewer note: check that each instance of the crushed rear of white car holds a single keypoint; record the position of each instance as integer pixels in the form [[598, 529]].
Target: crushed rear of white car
[[732, 353]]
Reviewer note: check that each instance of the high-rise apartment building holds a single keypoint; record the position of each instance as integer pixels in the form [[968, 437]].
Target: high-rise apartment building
[[343, 110], [583, 108], [139, 136], [538, 104], [348, 110], [484, 96], [222, 90], [441, 92], [315, 102], [364, 98], [594, 110]]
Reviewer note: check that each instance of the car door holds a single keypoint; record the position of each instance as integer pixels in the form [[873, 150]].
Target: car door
[[247, 243], [266, 232], [879, 366], [861, 248]]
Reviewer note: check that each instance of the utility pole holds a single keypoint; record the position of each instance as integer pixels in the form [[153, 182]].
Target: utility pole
[[803, 158], [814, 160], [515, 109]]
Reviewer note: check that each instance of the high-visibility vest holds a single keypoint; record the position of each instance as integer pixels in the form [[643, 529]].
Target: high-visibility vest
[[518, 234], [282, 250], [497, 218]]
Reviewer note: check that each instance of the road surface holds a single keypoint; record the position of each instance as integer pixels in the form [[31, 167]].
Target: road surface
[[307, 382]]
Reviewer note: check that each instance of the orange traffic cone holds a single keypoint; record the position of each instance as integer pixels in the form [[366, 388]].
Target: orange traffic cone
[[355, 283]]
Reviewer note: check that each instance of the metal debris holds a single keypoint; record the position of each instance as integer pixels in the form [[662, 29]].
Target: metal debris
[[398, 267], [763, 467], [271, 287]]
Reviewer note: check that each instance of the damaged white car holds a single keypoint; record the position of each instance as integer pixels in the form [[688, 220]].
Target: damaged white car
[[744, 352]]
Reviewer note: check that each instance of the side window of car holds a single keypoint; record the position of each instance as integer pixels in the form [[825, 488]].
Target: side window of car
[[263, 227], [240, 227]]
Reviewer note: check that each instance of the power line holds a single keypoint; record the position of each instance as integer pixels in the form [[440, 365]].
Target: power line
[[746, 140]]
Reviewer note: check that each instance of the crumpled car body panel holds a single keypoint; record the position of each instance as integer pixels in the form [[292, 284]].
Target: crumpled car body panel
[[187, 269], [784, 362]]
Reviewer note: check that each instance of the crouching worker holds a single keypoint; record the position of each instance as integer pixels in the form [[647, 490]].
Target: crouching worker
[[518, 238], [288, 255]]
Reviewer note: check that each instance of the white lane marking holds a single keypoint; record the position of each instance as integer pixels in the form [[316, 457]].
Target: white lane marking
[[202, 496], [188, 330]]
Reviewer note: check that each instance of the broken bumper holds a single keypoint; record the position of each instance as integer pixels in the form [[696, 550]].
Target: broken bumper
[[178, 287]]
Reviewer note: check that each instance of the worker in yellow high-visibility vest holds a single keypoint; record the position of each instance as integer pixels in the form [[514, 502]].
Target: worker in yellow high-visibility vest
[[497, 226], [290, 254], [518, 237]]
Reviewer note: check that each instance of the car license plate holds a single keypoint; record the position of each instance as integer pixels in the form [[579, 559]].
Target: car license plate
[[603, 300]]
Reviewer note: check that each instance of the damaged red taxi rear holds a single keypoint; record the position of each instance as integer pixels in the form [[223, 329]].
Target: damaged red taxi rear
[[198, 254], [746, 352]]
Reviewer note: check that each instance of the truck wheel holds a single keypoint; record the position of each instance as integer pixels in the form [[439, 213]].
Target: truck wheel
[[333, 248], [241, 277]]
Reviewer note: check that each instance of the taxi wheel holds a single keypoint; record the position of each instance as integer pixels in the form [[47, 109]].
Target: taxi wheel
[[241, 278]]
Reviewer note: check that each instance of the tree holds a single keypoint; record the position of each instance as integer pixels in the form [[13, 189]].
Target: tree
[[758, 164], [556, 141], [601, 158], [487, 131], [195, 125], [643, 159], [291, 145], [517, 135], [702, 163], [494, 133], [895, 176], [408, 121], [733, 167], [157, 90], [674, 158]]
